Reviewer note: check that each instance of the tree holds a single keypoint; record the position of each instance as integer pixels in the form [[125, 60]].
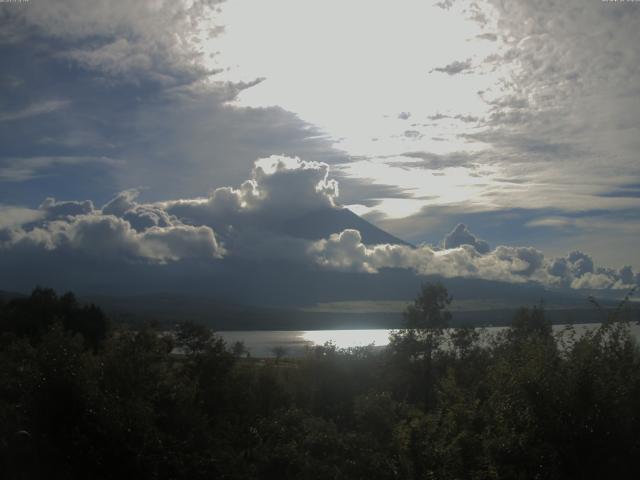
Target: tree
[[33, 316], [415, 346], [279, 351], [425, 321], [429, 310], [193, 338], [239, 349]]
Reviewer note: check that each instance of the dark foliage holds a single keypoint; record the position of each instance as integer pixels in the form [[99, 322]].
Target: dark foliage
[[80, 401], [33, 316]]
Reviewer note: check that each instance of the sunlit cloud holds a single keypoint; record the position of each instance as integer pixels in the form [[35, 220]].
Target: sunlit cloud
[[352, 68], [428, 115], [511, 86]]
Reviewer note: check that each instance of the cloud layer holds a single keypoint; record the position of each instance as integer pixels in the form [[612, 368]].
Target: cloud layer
[[345, 251], [528, 117], [245, 222], [132, 41]]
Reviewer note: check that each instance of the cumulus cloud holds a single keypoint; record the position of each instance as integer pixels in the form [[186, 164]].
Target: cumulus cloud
[[286, 179], [577, 270], [139, 216], [107, 236], [122, 230], [280, 188], [247, 218], [345, 251], [57, 210]]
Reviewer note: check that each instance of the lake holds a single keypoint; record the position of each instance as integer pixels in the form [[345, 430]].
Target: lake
[[261, 343]]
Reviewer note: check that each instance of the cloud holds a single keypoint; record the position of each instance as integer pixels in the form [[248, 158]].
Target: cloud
[[455, 68], [577, 270], [551, 222], [140, 217], [13, 216], [107, 236], [460, 117], [131, 42], [412, 134], [284, 178], [122, 230], [14, 169], [247, 221], [280, 188], [549, 104], [135, 82], [59, 210], [345, 251], [33, 110], [492, 37], [433, 161], [580, 263], [564, 99], [462, 236]]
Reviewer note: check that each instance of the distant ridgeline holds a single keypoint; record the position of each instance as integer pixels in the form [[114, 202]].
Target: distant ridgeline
[[467, 310], [265, 291]]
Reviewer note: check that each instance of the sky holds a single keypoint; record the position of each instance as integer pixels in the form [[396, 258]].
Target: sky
[[155, 131]]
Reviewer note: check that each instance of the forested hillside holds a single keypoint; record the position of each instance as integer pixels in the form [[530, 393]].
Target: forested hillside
[[80, 398]]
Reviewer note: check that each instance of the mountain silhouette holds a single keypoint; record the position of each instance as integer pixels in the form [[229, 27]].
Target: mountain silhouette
[[322, 223]]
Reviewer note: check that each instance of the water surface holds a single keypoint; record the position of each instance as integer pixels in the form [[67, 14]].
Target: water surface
[[261, 343]]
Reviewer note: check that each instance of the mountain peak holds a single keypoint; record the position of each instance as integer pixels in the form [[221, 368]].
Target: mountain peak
[[324, 222]]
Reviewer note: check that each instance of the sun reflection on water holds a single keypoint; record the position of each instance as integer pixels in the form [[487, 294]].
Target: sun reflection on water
[[348, 338]]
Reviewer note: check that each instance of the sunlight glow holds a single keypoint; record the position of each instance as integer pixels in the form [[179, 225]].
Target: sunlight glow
[[366, 73], [348, 338]]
